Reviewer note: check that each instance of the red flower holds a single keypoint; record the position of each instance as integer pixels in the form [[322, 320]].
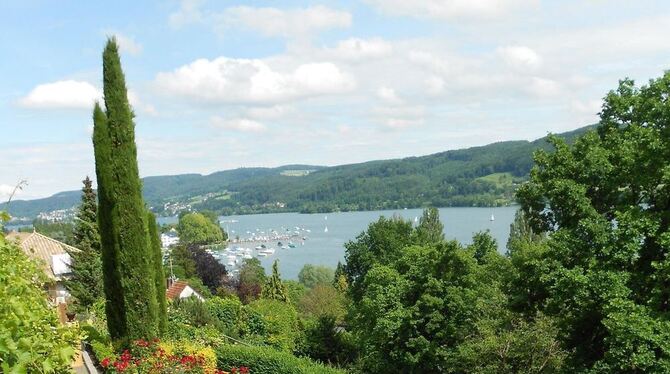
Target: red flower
[[105, 362]]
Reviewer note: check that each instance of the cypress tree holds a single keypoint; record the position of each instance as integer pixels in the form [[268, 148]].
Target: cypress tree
[[274, 288], [85, 284], [158, 272], [129, 282], [114, 305]]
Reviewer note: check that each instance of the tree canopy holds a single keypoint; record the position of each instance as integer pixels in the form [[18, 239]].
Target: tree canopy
[[195, 228], [606, 203], [313, 275], [85, 284]]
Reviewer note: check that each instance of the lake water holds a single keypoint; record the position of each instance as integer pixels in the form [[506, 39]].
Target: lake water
[[327, 248]]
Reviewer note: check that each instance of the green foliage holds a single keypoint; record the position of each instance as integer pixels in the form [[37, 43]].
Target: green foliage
[[483, 245], [31, 337], [313, 275], [195, 228], [61, 231], [430, 229], [128, 275], [515, 346], [295, 291], [324, 299], [251, 280], [604, 201], [275, 322], [465, 177], [85, 283], [327, 343], [183, 265], [228, 313], [265, 360], [434, 306], [382, 243], [274, 289], [156, 254]]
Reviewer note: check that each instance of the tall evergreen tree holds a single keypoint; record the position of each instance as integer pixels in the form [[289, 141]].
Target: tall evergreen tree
[[274, 288], [158, 272], [85, 285], [130, 289]]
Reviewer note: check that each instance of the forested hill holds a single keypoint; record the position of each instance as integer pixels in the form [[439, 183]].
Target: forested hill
[[478, 176]]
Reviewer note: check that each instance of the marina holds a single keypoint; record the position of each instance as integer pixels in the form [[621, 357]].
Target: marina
[[297, 239]]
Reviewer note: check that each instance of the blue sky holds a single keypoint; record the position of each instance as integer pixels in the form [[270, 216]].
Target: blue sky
[[223, 84]]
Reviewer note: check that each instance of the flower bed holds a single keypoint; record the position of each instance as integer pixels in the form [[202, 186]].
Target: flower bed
[[157, 358]]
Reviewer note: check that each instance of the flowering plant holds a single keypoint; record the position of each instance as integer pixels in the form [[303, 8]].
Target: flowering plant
[[150, 357]]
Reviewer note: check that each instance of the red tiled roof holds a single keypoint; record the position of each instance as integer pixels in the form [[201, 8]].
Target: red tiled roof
[[175, 290]]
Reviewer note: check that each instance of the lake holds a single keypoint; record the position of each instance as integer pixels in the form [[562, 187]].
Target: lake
[[327, 248]]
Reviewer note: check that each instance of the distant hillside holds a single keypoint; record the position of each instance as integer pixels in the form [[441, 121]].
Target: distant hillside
[[478, 176]]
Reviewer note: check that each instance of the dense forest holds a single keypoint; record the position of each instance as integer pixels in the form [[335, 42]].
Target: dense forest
[[478, 176]]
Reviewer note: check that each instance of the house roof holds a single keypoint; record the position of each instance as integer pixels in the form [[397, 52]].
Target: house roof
[[176, 289], [40, 247]]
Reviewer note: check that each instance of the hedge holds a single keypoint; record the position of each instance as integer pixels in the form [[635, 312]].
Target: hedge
[[267, 360]]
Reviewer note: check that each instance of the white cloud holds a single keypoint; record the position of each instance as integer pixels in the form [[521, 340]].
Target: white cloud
[[238, 124], [66, 94], [188, 12], [356, 49], [388, 95], [127, 44], [543, 87], [450, 9], [275, 22], [139, 104], [520, 57], [402, 123], [253, 81], [270, 112], [586, 107], [5, 191]]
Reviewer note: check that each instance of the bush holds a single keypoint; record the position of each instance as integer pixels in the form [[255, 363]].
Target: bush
[[275, 321], [265, 360], [31, 337], [227, 312]]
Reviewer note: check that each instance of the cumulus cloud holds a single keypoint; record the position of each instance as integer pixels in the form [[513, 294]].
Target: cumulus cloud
[[388, 95], [270, 112], [274, 22], [253, 81], [238, 124], [188, 12], [139, 104], [65, 94], [543, 87], [450, 9], [126, 43], [520, 57], [357, 49]]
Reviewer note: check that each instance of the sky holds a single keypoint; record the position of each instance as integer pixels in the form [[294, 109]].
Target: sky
[[217, 85]]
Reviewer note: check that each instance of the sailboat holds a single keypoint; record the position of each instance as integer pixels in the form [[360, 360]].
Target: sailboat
[[326, 229], [493, 218], [416, 219]]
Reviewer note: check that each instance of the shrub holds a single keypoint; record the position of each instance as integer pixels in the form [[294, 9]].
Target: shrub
[[275, 321], [266, 360], [227, 312], [31, 337]]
